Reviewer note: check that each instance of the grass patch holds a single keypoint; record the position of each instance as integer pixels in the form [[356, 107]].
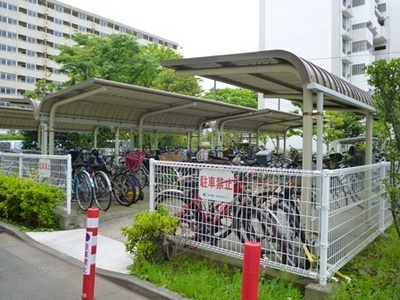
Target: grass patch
[[205, 279], [374, 273]]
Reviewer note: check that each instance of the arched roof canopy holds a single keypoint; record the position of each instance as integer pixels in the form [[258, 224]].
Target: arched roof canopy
[[277, 74], [19, 114]]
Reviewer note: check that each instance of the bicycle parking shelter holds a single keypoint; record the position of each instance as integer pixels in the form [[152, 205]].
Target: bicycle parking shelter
[[281, 74], [87, 106]]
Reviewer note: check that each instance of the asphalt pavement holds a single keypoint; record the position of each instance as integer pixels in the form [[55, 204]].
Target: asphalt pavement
[[49, 265]]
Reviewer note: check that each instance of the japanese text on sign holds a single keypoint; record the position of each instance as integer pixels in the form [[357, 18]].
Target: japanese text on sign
[[214, 185], [44, 167]]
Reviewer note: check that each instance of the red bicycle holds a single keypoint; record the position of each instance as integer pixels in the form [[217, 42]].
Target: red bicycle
[[210, 221]]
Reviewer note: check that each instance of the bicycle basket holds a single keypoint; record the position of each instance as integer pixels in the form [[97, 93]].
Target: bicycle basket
[[133, 160]]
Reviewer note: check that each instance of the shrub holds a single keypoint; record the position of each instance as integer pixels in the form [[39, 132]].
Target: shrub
[[28, 203], [147, 235]]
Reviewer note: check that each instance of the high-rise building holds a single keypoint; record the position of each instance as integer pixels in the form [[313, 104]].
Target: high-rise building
[[341, 36], [31, 30]]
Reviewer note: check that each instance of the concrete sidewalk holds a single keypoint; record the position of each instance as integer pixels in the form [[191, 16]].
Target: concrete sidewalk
[[112, 261], [111, 254]]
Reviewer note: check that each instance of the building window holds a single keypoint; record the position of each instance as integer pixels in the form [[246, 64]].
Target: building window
[[31, 13], [8, 48], [7, 76], [358, 3], [380, 48], [8, 6], [8, 34], [29, 79], [82, 28], [139, 35], [382, 7], [346, 47], [357, 69], [8, 20], [359, 26], [102, 34], [31, 66], [31, 40], [6, 90], [345, 70], [58, 33], [345, 23], [359, 46], [122, 29], [58, 21], [58, 8], [82, 16], [31, 26], [103, 23], [30, 53], [32, 1], [8, 62]]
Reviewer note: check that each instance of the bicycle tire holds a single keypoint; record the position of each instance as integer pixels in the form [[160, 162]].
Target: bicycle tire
[[84, 191], [261, 226], [102, 190], [142, 176], [288, 218], [13, 169], [177, 205], [223, 222], [138, 189], [353, 185], [123, 189]]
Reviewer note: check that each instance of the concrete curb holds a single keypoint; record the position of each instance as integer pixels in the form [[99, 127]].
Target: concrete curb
[[144, 288]]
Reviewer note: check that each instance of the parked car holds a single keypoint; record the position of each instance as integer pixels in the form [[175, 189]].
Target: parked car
[[13, 146]]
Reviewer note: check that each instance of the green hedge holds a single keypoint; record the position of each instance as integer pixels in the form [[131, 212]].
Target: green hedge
[[27, 203]]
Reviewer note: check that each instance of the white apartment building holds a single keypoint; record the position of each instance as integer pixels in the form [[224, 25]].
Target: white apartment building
[[31, 30], [341, 36]]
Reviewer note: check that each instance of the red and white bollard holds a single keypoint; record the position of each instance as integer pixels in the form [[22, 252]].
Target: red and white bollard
[[89, 269], [251, 270]]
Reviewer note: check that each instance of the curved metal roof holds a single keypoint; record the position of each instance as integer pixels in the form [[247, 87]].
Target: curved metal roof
[[19, 114], [98, 102], [276, 74]]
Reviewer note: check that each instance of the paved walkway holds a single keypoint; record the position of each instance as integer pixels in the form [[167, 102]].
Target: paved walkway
[[112, 260], [111, 254]]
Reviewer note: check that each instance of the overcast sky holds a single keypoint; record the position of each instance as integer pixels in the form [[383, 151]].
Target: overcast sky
[[202, 28]]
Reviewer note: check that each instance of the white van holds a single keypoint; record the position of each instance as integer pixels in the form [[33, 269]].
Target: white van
[[11, 146]]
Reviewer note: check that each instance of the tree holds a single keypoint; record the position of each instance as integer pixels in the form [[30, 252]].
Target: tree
[[237, 96], [120, 57], [117, 57], [384, 77], [337, 125], [42, 88]]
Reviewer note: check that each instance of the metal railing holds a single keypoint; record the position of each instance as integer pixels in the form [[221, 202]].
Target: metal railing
[[52, 169], [333, 214]]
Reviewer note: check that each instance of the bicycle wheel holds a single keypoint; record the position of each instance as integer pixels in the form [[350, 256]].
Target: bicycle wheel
[[142, 176], [223, 222], [102, 190], [353, 185], [338, 193], [138, 189], [13, 169], [262, 226], [84, 191], [177, 205], [288, 219], [123, 189]]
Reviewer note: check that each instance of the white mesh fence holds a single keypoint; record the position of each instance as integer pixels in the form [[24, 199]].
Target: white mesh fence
[[52, 169], [331, 215]]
